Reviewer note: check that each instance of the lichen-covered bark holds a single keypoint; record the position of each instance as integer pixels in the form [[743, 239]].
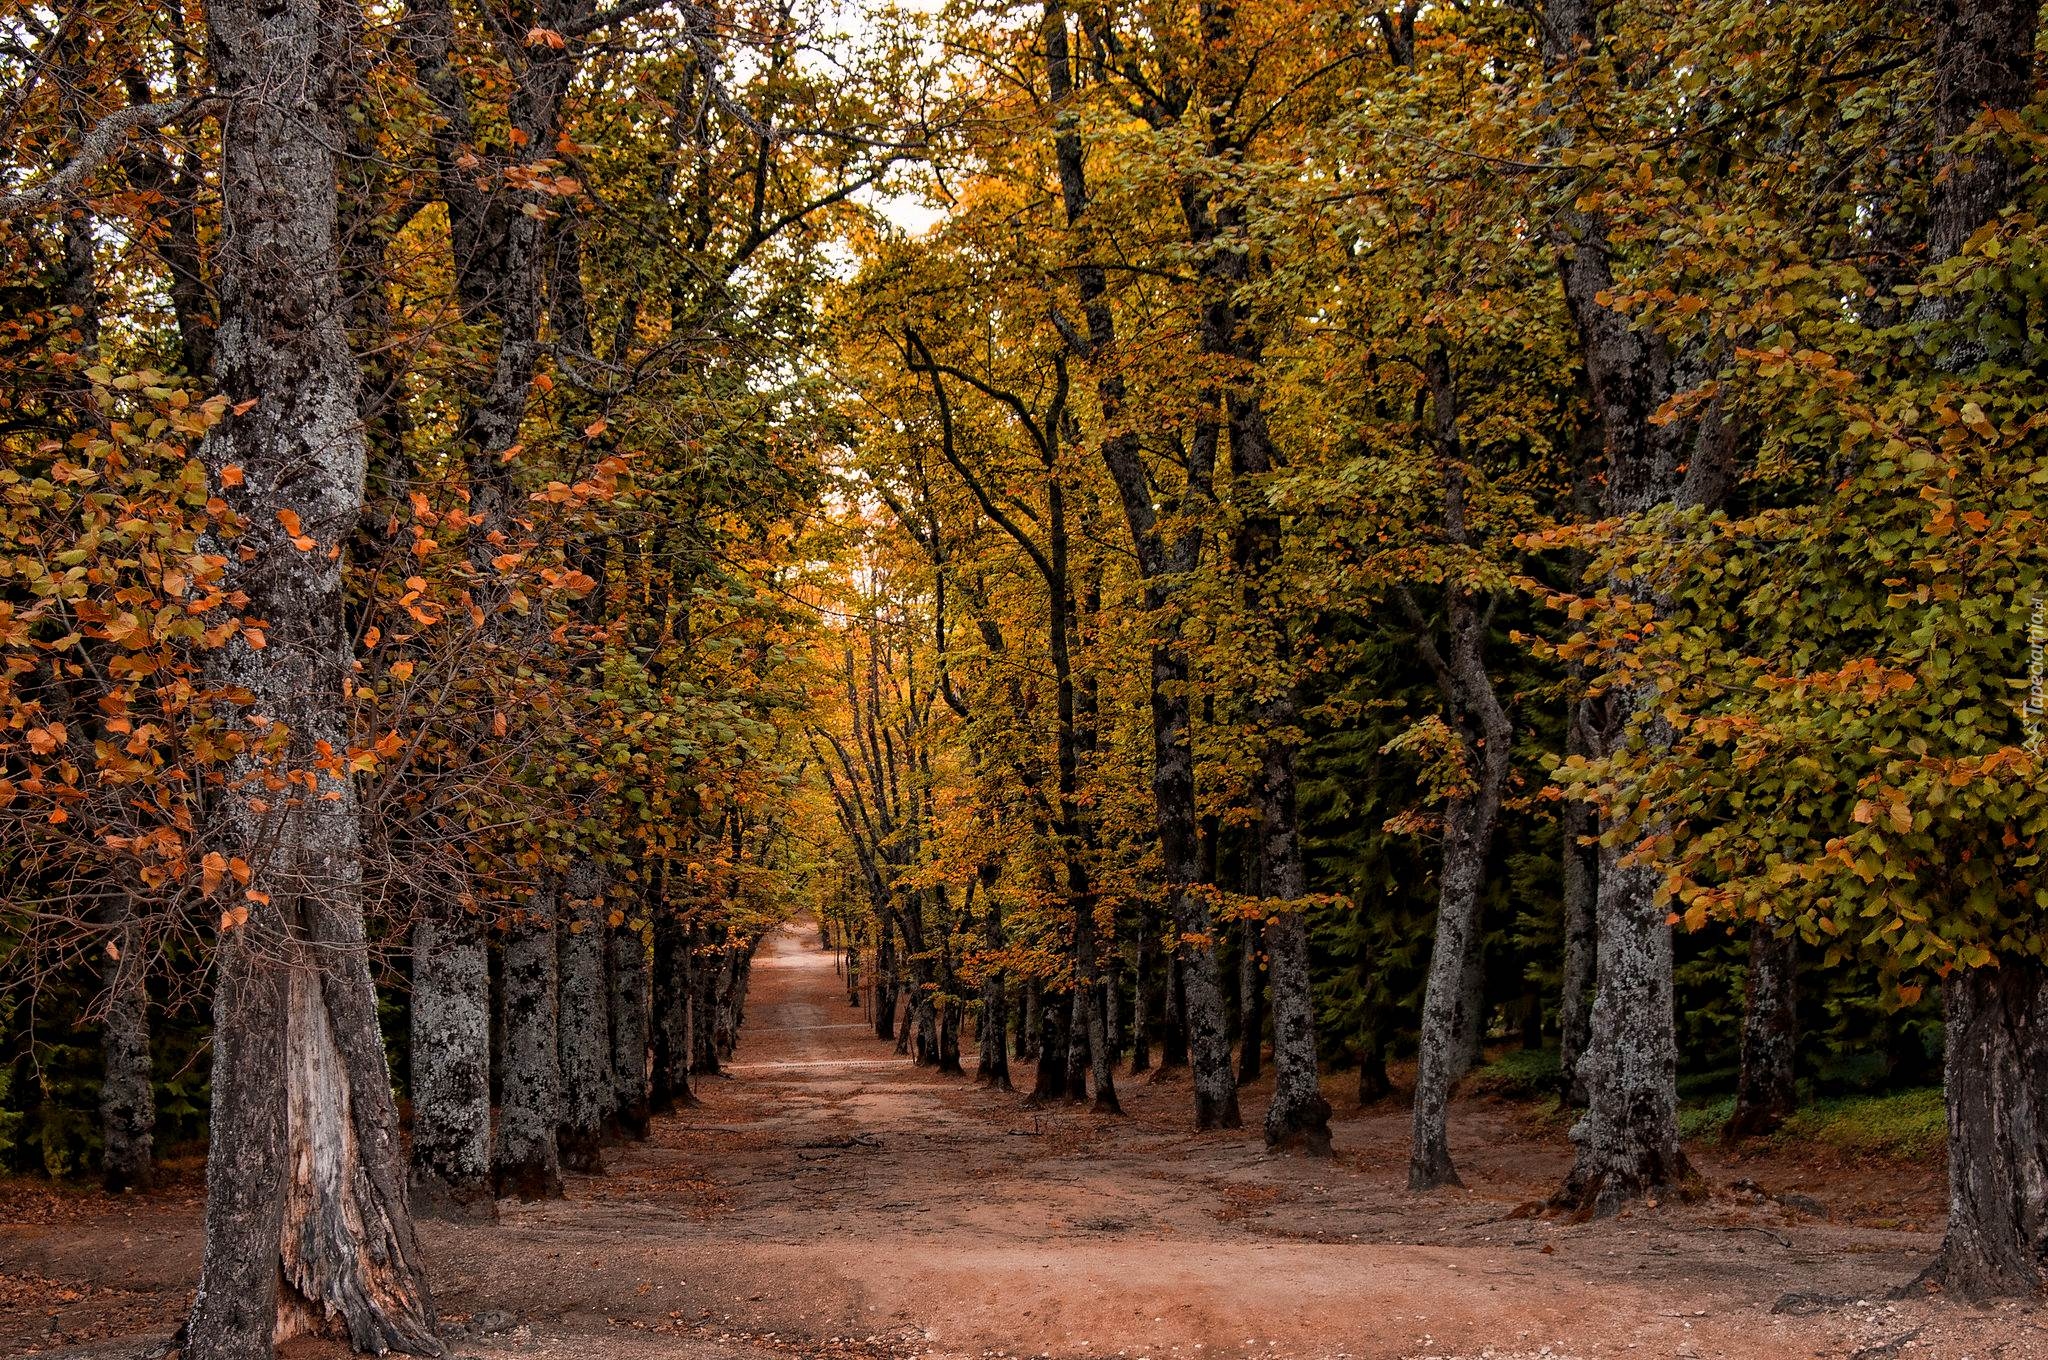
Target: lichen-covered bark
[[451, 1077], [525, 1161], [127, 1088], [307, 1226], [1996, 1076], [626, 979], [1767, 1090], [582, 1027], [1626, 1143]]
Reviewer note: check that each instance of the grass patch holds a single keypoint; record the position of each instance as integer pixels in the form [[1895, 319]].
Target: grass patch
[[1903, 1125], [1517, 1074]]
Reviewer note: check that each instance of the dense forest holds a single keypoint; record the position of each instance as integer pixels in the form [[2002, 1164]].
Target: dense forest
[[1248, 544]]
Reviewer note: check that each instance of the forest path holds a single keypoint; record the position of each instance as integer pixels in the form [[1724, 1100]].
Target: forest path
[[830, 1199]]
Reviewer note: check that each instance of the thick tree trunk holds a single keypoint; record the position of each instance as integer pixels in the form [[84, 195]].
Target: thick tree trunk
[[525, 1161], [127, 1085], [885, 982], [1626, 1142], [993, 1033], [1299, 1117], [307, 1226], [451, 1071], [704, 970], [1049, 1081], [626, 978], [1767, 1090], [669, 1085], [1996, 1076], [1251, 1019], [582, 1029]]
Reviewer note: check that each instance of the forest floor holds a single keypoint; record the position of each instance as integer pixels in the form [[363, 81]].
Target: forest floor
[[829, 1199]]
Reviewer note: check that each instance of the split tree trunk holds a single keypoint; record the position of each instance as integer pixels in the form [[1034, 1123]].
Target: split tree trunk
[[451, 1071], [307, 1226], [626, 979], [582, 1029], [1767, 1091], [525, 1161], [127, 1086]]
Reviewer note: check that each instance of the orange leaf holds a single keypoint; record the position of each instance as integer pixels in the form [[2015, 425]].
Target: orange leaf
[[289, 518], [231, 475], [212, 870]]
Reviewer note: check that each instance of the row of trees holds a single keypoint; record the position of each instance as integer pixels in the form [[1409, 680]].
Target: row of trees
[[410, 489], [1624, 415]]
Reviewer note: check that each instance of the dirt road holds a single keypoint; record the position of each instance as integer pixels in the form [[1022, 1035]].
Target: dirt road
[[830, 1199]]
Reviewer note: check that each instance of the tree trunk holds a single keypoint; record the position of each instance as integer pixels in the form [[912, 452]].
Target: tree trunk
[[451, 1071], [993, 1033], [1080, 1022], [583, 1030], [127, 1086], [1767, 1090], [1251, 1021], [1441, 1058], [885, 982], [1141, 1021], [1626, 1142], [704, 971], [525, 1161], [1996, 1076], [669, 1086], [1299, 1117], [626, 978], [1049, 1081], [1581, 934], [1173, 1034], [307, 1226], [1028, 1027]]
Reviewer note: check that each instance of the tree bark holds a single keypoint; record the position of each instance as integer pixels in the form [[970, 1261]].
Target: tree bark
[[1581, 931], [1626, 1143], [1996, 1076], [1767, 1091], [525, 1161], [307, 1225], [1141, 1019], [669, 1086], [704, 970], [1251, 1020], [582, 1028], [451, 1071], [127, 1085], [626, 978]]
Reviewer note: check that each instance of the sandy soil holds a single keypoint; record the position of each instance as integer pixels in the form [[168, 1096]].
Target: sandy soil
[[828, 1199]]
